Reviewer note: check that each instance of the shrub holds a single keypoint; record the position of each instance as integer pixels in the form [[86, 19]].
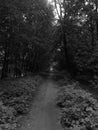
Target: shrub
[[79, 109], [16, 99]]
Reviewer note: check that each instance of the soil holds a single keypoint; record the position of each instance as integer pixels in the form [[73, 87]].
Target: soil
[[44, 114]]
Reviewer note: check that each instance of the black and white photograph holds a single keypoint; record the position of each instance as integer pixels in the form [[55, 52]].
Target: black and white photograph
[[48, 64]]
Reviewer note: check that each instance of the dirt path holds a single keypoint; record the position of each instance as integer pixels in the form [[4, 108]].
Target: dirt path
[[44, 113]]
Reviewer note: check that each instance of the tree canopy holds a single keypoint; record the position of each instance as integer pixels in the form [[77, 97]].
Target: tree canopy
[[25, 27]]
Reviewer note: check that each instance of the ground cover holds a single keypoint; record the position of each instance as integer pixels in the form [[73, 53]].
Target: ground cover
[[79, 109], [16, 97]]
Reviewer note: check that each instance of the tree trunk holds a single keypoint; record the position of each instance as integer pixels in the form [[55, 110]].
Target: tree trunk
[[17, 71], [92, 40], [5, 65], [64, 40], [97, 28], [96, 4], [92, 35]]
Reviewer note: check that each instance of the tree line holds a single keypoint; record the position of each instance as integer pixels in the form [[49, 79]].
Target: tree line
[[35, 33], [24, 35], [77, 26]]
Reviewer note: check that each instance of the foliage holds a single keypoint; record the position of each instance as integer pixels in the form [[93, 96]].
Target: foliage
[[15, 100], [78, 33], [79, 108], [24, 26]]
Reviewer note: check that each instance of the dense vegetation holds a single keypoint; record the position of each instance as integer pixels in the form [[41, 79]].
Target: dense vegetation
[[78, 34], [79, 109], [37, 36], [16, 97], [24, 36]]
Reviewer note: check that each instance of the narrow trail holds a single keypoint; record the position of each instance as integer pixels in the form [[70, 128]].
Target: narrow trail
[[44, 113]]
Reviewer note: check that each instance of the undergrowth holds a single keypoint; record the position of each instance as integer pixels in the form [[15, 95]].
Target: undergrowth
[[79, 109], [15, 100]]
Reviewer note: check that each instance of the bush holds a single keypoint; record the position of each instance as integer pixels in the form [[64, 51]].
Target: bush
[[15, 100], [79, 109], [7, 117]]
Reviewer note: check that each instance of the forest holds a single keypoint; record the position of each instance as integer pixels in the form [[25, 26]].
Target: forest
[[52, 43]]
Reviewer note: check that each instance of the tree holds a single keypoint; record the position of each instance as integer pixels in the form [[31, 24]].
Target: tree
[[78, 21], [23, 25]]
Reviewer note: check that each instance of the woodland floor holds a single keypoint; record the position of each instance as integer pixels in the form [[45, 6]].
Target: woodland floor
[[42, 96], [44, 113]]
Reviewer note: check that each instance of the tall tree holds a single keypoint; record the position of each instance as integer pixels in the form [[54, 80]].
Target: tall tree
[[82, 16], [23, 24]]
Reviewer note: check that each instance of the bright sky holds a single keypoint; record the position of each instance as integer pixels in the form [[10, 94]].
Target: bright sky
[[49, 0], [55, 11]]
